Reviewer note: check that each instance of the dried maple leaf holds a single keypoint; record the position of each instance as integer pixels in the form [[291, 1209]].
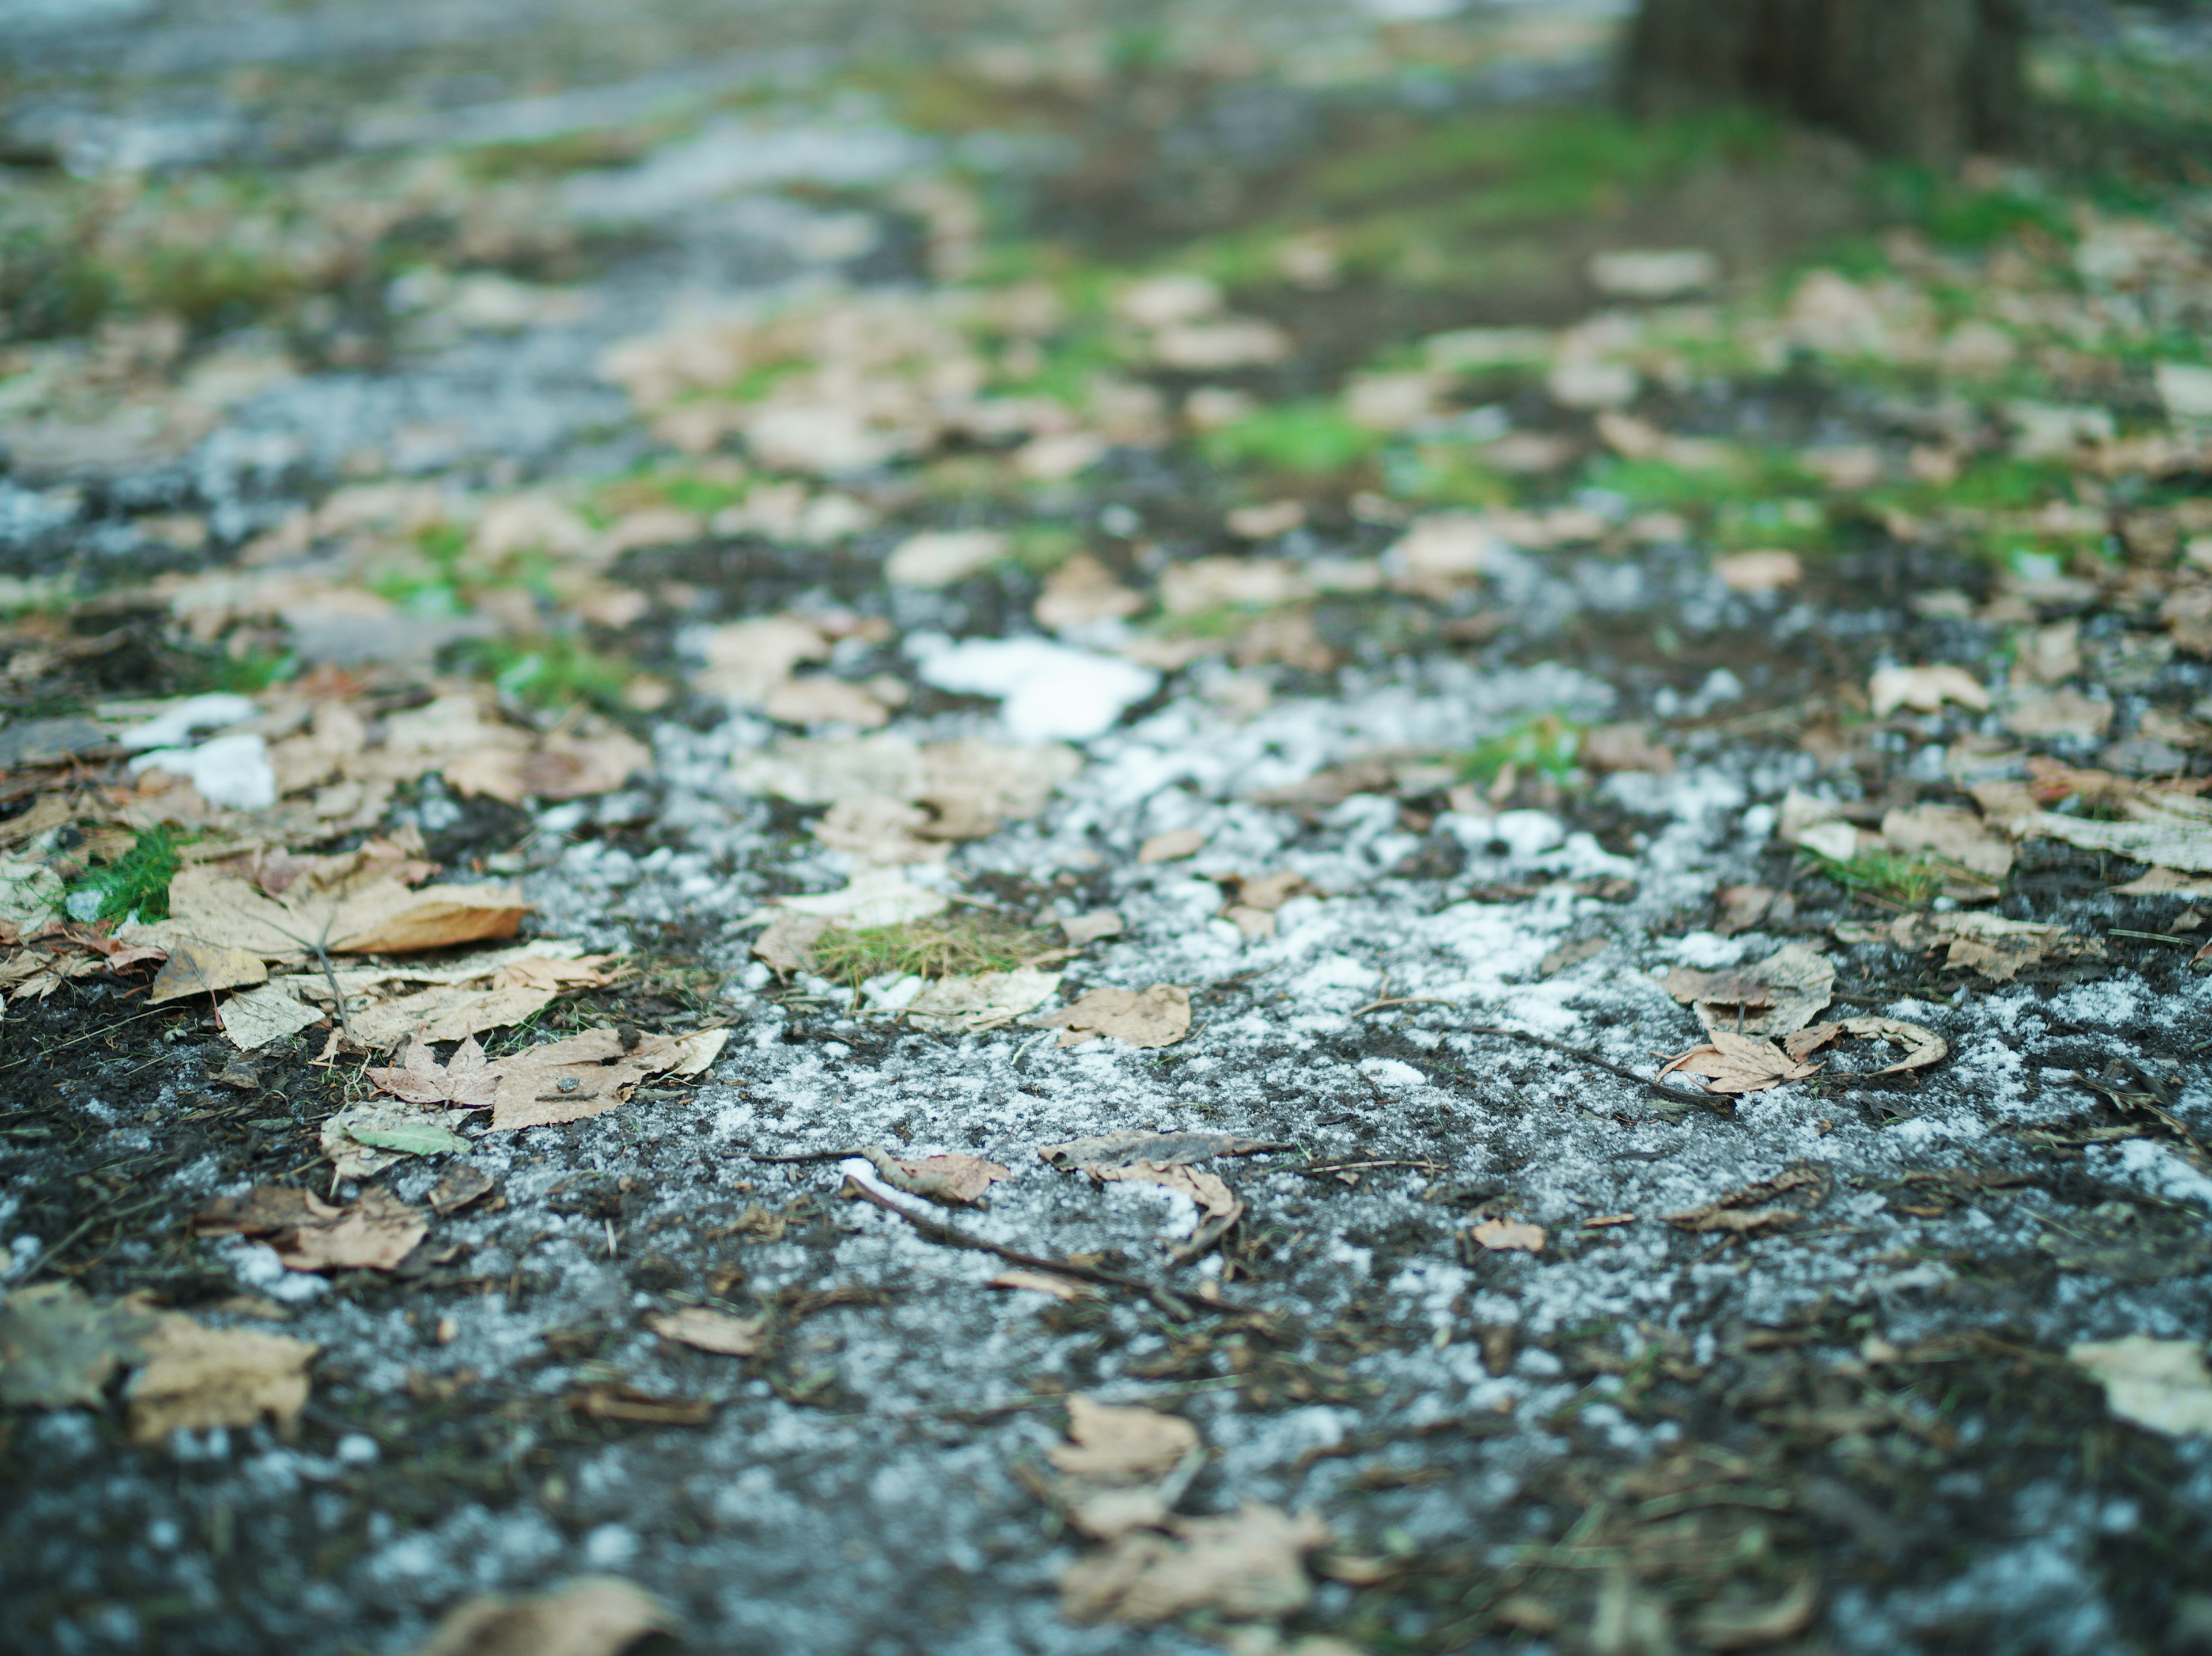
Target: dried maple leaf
[[1923, 1046], [589, 1074], [1784, 992], [467, 1080], [1740, 1064]]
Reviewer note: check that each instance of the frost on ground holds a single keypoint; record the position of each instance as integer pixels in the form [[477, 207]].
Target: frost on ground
[[785, 902]]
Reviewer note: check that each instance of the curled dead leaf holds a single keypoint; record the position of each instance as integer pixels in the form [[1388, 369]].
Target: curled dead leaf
[[1157, 1016], [1923, 1046], [712, 1331], [955, 1180], [1733, 1064]]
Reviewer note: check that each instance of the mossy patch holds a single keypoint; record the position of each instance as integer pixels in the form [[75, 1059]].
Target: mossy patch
[[958, 944]]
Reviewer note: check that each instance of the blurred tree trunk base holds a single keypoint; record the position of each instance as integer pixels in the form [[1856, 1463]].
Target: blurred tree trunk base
[[1929, 80]]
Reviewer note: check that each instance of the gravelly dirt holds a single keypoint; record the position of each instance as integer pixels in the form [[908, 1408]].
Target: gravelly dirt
[[1872, 1397]]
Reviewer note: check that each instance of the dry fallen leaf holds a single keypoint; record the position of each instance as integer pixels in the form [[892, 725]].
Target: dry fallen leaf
[[1740, 1064], [1157, 1016], [1924, 689], [2160, 1384], [2171, 833], [1090, 928], [1759, 572], [1082, 591], [1249, 1566], [197, 1377], [1508, 1235], [200, 968], [1041, 1282], [58, 1347], [1955, 835], [593, 1615], [1741, 1211], [1726, 1626], [466, 1080], [373, 914], [986, 1001], [254, 1020], [589, 1074], [1783, 993], [875, 896], [787, 941], [1120, 1444], [1171, 846], [712, 1331], [1923, 1046], [377, 1233], [956, 1180], [1990, 944]]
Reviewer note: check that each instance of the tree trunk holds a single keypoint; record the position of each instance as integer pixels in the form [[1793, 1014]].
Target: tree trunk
[[1925, 80]]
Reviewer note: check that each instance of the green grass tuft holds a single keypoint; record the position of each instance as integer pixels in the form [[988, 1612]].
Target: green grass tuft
[[137, 881], [1886, 875], [1308, 439], [958, 944]]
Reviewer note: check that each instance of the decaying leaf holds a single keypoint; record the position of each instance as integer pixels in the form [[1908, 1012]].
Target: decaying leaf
[[1117, 1445], [969, 788], [956, 1180], [1157, 1016], [1923, 1046], [376, 1233], [1043, 1282], [1954, 835], [1129, 1147], [254, 1020], [466, 1080], [363, 1139], [1252, 900], [876, 897], [1090, 928], [1742, 1211], [1924, 689], [200, 968], [197, 1377], [58, 1347], [1171, 846], [593, 1615], [2160, 1384], [1740, 1064], [2165, 834], [987, 1001], [1780, 994], [589, 1074], [1988, 944], [1507, 1236], [1249, 1566], [1728, 1626], [349, 908], [712, 1331]]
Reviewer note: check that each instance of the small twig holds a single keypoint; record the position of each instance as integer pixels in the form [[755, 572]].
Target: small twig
[[1673, 1094], [2152, 937], [1402, 1000], [1333, 1167], [813, 1156], [936, 1230]]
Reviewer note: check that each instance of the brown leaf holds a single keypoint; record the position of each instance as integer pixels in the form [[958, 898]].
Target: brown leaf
[[712, 1331], [589, 1074], [197, 1377], [955, 1180], [1115, 1445], [1171, 846], [611, 1401], [377, 1233], [594, 1616], [535, 972], [1740, 1064], [200, 969], [787, 944], [1624, 748], [1923, 1046], [457, 1187], [467, 1080], [1157, 1016], [1506, 1236], [1924, 689], [1248, 1566], [1755, 1627], [1742, 1211], [371, 914], [1781, 993], [1990, 944], [1090, 928], [1041, 1281], [1742, 907], [1955, 835]]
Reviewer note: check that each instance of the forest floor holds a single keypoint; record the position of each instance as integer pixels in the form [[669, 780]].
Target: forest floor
[[851, 835]]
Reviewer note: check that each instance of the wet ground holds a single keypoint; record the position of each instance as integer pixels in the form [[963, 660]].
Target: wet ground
[[1849, 1427]]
